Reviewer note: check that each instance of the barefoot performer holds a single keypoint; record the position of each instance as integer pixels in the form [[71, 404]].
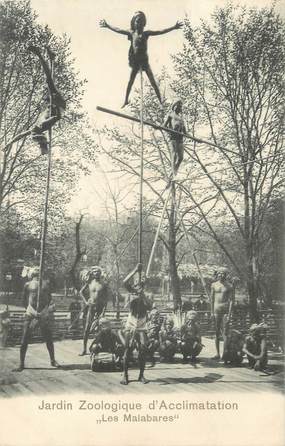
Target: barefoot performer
[[136, 326], [222, 300], [138, 57], [96, 303], [175, 122], [191, 341], [255, 347], [53, 109], [33, 318]]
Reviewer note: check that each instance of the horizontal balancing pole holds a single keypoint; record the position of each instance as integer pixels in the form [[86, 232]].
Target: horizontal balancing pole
[[160, 127]]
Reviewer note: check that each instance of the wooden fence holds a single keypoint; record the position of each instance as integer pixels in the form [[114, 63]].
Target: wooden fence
[[62, 322]]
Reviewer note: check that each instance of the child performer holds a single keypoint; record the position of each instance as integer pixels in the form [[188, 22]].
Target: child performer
[[138, 57]]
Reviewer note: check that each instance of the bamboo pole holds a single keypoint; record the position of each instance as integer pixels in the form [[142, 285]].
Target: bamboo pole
[[161, 127], [157, 234], [141, 180], [189, 243], [44, 224]]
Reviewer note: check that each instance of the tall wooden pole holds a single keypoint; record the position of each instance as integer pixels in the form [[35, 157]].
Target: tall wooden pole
[[141, 180], [44, 223], [157, 235], [194, 255]]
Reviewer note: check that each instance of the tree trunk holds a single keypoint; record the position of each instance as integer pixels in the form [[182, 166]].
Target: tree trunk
[[1, 255], [117, 303], [251, 272], [252, 283], [174, 279]]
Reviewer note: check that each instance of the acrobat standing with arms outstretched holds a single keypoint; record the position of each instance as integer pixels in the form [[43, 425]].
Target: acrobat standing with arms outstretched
[[138, 57]]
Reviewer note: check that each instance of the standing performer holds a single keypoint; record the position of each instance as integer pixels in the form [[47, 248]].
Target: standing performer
[[175, 122], [222, 301], [33, 318], [53, 109], [136, 328], [96, 303], [138, 57]]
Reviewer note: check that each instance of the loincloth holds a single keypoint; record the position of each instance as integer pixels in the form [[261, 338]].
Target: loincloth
[[135, 324]]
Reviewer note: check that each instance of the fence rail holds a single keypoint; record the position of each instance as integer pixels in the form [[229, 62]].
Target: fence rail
[[62, 321]]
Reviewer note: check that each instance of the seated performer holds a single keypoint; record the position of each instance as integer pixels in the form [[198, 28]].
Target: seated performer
[[175, 122], [191, 342], [153, 327], [43, 317], [136, 328], [201, 304], [255, 347], [167, 340], [233, 346], [54, 106], [138, 57], [5, 323], [96, 303], [106, 341]]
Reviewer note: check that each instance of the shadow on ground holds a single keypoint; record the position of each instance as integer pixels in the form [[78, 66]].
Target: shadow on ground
[[207, 379]]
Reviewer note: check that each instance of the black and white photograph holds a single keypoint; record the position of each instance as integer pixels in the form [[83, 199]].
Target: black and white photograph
[[142, 223]]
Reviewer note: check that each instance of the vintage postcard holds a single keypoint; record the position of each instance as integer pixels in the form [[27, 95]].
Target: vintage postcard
[[142, 222]]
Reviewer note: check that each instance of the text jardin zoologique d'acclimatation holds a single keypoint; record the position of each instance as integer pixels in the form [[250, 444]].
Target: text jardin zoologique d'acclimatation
[[63, 405]]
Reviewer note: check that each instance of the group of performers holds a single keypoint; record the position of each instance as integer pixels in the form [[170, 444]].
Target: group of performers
[[145, 329], [55, 104]]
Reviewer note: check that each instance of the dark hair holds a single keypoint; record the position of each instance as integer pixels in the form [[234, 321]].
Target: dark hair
[[134, 17], [178, 101]]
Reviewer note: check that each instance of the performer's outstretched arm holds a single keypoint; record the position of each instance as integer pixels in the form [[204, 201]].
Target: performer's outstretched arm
[[104, 24], [127, 280], [177, 25]]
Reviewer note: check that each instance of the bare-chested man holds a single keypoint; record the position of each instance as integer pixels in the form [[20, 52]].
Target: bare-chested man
[[222, 299], [96, 303], [34, 316], [136, 325]]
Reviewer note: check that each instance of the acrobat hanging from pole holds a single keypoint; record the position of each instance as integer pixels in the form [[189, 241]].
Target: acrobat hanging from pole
[[138, 57], [55, 103]]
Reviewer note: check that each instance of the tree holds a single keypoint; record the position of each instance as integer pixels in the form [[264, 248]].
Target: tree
[[230, 75], [123, 149], [22, 89]]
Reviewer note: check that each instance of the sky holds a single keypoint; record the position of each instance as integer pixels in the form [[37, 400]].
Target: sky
[[101, 55]]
